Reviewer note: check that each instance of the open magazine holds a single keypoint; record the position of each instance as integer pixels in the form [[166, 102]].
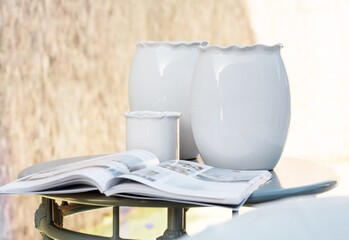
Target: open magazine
[[139, 174]]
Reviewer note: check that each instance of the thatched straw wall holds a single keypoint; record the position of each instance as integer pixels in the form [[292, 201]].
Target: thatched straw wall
[[63, 77]]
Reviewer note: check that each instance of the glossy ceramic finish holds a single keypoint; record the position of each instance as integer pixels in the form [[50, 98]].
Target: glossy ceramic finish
[[160, 80], [156, 132], [240, 108]]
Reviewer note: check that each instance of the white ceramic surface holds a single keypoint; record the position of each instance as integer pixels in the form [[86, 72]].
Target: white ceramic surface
[[156, 132], [307, 219], [160, 80], [240, 109]]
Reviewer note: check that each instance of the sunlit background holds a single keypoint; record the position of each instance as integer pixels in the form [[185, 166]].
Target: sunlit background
[[63, 86]]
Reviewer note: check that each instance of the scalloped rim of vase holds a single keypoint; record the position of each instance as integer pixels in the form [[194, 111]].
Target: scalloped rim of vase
[[171, 44], [277, 46], [152, 114]]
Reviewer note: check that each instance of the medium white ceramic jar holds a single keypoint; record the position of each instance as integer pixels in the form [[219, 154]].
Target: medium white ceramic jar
[[240, 109], [156, 132], [160, 80]]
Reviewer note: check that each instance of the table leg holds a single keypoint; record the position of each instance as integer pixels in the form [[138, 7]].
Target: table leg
[[176, 223], [49, 221], [116, 223], [235, 213], [49, 210]]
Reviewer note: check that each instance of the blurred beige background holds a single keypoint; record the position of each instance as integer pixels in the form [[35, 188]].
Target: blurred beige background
[[64, 67]]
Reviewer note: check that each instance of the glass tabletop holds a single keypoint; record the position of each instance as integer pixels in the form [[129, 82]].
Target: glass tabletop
[[296, 177]]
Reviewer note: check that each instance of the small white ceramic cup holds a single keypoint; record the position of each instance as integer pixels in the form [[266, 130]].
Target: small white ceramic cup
[[157, 132]]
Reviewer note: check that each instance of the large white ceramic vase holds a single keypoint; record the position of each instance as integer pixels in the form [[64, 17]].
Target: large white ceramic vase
[[240, 109], [160, 80]]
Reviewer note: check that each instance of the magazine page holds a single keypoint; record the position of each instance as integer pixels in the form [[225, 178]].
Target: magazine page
[[141, 191], [76, 188], [175, 199], [185, 178], [101, 172]]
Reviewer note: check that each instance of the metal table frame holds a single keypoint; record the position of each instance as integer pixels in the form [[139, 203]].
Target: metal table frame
[[49, 219]]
